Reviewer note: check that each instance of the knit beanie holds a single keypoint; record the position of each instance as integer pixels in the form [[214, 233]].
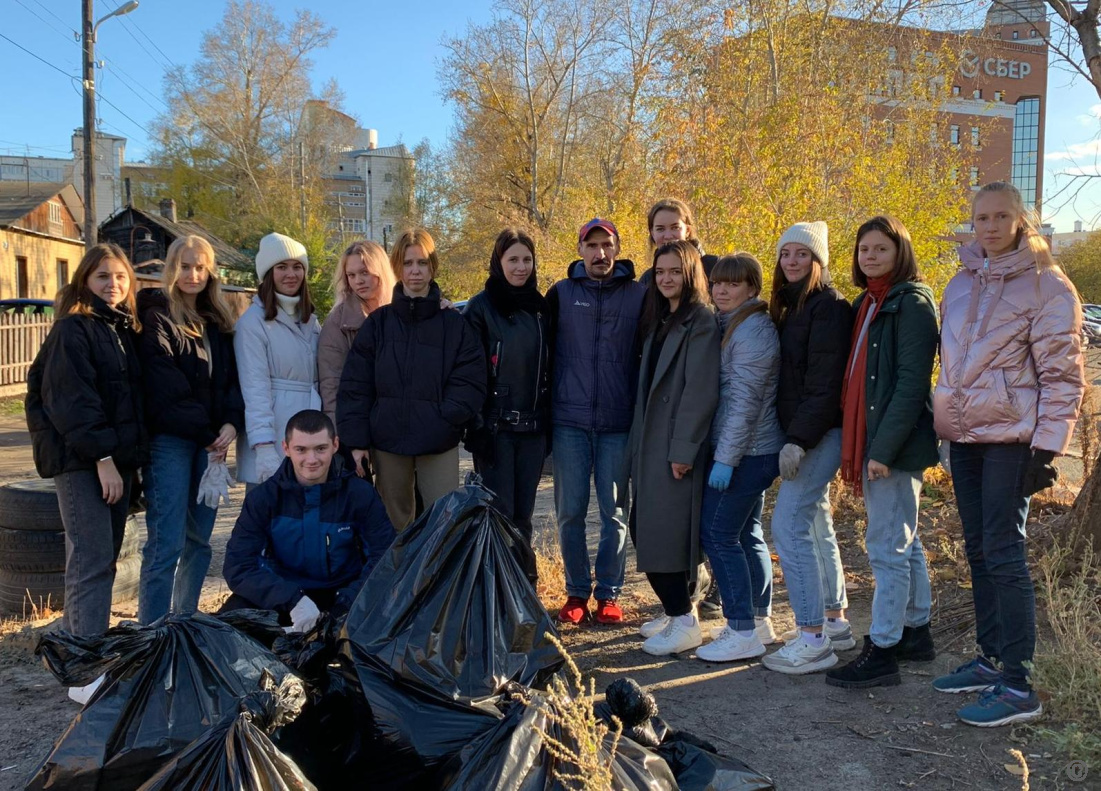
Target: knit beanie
[[813, 235], [276, 248]]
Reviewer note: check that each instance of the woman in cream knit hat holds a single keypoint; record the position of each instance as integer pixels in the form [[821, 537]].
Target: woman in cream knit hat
[[276, 346]]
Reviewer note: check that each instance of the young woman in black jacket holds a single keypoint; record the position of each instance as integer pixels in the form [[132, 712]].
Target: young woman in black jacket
[[195, 412], [815, 324], [413, 381], [84, 412], [510, 318]]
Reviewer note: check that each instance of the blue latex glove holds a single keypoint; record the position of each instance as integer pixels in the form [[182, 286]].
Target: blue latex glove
[[720, 476]]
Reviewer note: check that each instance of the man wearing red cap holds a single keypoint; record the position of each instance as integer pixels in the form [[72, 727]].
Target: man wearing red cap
[[595, 311]]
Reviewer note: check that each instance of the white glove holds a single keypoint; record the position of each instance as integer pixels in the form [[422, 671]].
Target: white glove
[[267, 462], [944, 448], [791, 456], [215, 483], [304, 616]]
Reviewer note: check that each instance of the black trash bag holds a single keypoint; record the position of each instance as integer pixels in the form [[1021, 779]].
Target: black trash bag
[[165, 685], [261, 625], [309, 653], [237, 755], [449, 608], [514, 755], [695, 762]]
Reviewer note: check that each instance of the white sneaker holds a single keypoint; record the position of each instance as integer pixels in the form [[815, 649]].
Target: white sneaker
[[800, 657], [840, 635], [650, 628], [677, 636], [765, 633], [730, 647], [83, 694]]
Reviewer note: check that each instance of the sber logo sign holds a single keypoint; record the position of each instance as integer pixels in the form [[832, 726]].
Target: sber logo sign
[[970, 63]]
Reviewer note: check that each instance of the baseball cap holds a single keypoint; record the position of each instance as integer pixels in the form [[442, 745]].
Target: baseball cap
[[593, 224]]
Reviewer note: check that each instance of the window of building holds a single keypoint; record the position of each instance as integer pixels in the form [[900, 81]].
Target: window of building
[[999, 96], [974, 177], [955, 90], [353, 225], [975, 136], [388, 177], [1016, 35], [892, 55], [1026, 132], [889, 130], [977, 93], [1033, 33], [55, 212], [62, 272], [22, 278], [954, 174], [954, 134]]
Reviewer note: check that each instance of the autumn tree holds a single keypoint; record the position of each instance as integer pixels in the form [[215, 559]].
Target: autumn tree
[[1082, 263], [245, 140]]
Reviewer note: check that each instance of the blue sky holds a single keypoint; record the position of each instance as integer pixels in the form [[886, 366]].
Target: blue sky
[[384, 57]]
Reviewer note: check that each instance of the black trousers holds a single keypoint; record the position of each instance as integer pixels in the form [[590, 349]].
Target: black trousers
[[513, 475]]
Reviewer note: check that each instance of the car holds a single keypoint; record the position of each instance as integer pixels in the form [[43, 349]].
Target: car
[[19, 307]]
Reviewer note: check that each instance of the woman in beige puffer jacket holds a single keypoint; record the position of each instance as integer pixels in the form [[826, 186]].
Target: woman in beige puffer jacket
[[1010, 387]]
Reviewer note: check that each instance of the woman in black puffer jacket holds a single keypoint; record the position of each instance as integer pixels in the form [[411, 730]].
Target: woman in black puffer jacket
[[195, 411], [510, 317], [84, 412], [413, 381]]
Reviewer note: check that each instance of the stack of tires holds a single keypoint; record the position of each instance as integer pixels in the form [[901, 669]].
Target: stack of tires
[[32, 551]]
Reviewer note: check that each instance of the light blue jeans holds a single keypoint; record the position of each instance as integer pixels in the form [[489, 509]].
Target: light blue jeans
[[902, 594], [802, 531], [578, 455], [176, 555]]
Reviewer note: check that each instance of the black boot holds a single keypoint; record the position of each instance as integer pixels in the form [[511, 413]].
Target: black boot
[[916, 645], [875, 667]]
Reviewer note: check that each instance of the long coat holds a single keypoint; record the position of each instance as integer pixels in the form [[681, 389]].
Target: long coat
[[671, 424], [277, 366], [337, 335]]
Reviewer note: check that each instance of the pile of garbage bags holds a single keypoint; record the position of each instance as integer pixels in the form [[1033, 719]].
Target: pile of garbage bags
[[436, 679]]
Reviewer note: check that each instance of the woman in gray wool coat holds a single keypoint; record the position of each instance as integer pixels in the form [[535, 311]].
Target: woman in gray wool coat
[[678, 391]]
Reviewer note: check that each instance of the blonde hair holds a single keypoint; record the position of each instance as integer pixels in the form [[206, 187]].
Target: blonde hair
[[76, 298], [1026, 218], [414, 237], [210, 304], [376, 262]]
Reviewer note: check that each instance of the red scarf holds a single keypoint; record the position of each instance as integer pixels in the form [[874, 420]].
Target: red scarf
[[854, 428]]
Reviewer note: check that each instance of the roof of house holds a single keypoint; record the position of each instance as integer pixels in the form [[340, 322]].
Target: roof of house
[[18, 199], [226, 254]]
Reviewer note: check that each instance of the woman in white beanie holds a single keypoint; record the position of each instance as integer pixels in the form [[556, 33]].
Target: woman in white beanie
[[276, 346], [815, 324]]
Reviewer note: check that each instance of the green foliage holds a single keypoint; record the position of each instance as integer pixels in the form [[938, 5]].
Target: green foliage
[[1082, 263]]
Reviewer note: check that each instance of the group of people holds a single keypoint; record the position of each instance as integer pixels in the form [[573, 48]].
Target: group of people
[[688, 387]]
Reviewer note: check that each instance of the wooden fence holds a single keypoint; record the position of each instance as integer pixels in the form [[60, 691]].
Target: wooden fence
[[21, 336]]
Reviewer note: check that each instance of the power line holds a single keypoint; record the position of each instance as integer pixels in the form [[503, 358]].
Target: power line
[[45, 22], [38, 58], [50, 11]]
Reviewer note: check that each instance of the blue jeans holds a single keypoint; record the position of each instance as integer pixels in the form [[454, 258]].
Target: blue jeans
[[579, 454], [731, 535], [902, 595], [987, 479], [93, 539], [176, 555], [802, 530]]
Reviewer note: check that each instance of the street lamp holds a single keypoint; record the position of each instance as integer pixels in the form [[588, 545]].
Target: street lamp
[[90, 112]]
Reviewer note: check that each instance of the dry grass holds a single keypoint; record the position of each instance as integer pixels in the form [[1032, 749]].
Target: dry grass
[[1068, 662]]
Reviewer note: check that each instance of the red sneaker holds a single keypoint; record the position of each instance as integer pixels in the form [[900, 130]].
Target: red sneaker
[[607, 611], [574, 610]]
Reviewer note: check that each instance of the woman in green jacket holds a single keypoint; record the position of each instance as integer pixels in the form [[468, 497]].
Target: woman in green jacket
[[887, 441]]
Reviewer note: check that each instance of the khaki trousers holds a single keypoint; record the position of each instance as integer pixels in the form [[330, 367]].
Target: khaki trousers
[[395, 477]]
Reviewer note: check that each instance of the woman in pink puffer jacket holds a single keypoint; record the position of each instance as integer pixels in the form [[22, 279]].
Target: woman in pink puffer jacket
[[1011, 383]]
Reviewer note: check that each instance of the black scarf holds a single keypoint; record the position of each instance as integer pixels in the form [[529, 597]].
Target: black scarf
[[508, 299]]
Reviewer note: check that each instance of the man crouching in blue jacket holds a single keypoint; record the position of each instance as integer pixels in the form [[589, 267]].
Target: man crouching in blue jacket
[[308, 537]]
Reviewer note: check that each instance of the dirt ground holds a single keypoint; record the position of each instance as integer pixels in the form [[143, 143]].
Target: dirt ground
[[799, 731]]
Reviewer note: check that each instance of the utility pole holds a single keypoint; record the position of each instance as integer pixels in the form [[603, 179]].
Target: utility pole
[[89, 74], [89, 124]]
